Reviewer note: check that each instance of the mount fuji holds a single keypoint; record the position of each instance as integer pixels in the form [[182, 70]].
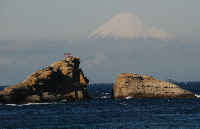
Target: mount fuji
[[126, 44], [128, 26]]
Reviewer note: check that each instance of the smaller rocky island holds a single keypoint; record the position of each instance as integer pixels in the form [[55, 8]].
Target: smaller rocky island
[[62, 80], [130, 85]]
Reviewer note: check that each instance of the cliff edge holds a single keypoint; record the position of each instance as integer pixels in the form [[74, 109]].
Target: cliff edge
[[62, 80], [130, 85]]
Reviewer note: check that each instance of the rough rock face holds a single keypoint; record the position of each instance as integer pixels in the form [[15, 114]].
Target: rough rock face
[[63, 80], [130, 85]]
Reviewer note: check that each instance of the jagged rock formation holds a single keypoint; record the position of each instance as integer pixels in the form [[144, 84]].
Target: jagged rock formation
[[62, 80], [130, 85]]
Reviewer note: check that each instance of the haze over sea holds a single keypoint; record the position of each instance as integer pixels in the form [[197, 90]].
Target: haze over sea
[[103, 112]]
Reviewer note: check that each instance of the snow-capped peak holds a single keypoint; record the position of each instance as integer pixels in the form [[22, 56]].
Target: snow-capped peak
[[127, 25]]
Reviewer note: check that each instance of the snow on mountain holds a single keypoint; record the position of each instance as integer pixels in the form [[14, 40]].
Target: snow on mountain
[[127, 25]]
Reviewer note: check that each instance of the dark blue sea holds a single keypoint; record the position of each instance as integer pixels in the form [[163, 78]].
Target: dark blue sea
[[104, 113]]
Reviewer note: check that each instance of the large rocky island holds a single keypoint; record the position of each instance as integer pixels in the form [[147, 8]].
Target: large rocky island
[[62, 80], [130, 85]]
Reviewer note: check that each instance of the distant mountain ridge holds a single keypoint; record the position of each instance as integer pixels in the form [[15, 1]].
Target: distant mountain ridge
[[127, 25]]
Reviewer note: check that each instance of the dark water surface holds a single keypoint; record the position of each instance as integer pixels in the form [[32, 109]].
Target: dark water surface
[[102, 112]]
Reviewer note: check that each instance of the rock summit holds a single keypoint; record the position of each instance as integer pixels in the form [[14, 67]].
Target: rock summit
[[62, 80]]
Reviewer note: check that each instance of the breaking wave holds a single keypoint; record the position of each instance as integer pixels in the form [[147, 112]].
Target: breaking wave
[[198, 96]]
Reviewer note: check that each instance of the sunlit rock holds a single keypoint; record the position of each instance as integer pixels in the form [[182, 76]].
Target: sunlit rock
[[130, 85], [62, 80]]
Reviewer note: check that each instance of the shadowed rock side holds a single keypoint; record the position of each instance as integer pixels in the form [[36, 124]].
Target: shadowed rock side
[[130, 85], [63, 80]]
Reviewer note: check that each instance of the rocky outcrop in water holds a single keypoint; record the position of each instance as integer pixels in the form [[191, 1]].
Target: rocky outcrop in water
[[130, 85], [63, 80]]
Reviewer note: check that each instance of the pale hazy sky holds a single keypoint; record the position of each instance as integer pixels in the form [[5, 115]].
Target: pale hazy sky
[[76, 19]]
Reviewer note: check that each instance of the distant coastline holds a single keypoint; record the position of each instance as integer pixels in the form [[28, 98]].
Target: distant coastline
[[170, 80]]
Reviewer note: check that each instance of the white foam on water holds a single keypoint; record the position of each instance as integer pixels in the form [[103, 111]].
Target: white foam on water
[[27, 104], [104, 97], [106, 93], [129, 97], [36, 103], [124, 103], [198, 96], [14, 104]]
